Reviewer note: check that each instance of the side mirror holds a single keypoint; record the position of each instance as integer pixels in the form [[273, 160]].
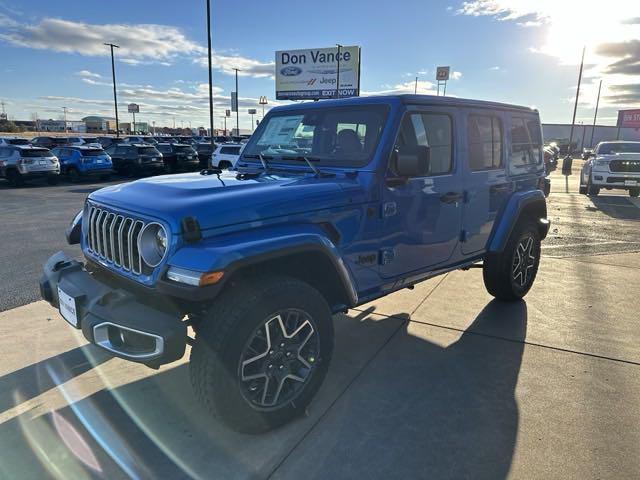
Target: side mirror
[[412, 161]]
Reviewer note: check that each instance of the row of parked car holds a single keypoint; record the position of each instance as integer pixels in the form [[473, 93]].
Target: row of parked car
[[76, 157]]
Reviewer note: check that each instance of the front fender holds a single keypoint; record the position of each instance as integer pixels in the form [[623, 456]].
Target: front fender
[[517, 205], [232, 252]]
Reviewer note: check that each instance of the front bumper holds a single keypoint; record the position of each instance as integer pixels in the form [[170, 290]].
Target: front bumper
[[115, 319], [615, 179]]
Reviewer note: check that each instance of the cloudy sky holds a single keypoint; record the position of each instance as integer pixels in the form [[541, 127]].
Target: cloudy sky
[[519, 51]]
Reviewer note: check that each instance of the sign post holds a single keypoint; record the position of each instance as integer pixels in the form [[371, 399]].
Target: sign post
[[263, 102], [227, 113], [442, 75], [252, 112], [318, 73], [133, 108]]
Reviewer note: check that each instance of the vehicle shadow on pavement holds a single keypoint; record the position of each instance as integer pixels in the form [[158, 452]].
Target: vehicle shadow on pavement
[[410, 409], [616, 207]]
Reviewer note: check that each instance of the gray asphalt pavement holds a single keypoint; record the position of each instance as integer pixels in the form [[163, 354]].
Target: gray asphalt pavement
[[34, 219]]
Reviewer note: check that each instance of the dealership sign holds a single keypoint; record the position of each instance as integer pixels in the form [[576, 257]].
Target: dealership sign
[[629, 118], [313, 74], [133, 108]]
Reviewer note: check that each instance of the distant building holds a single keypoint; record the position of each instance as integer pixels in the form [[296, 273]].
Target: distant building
[[59, 126], [98, 124]]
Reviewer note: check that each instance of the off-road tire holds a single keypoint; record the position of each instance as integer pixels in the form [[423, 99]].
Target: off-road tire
[[634, 192], [222, 338], [582, 190], [73, 175], [591, 190], [498, 268], [224, 165]]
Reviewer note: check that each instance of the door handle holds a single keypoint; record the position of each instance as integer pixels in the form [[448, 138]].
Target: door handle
[[499, 188], [451, 197]]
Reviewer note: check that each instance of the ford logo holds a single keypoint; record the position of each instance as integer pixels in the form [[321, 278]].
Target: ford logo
[[290, 71]]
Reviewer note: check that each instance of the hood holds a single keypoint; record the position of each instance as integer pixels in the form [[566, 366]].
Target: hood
[[227, 199]]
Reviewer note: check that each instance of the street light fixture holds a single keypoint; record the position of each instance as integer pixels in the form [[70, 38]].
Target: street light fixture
[[115, 97], [210, 72]]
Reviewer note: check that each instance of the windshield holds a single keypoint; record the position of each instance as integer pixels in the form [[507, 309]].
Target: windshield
[[338, 136], [610, 148], [36, 152]]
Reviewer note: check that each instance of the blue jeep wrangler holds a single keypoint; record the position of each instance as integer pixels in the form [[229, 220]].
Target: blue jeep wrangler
[[333, 204]]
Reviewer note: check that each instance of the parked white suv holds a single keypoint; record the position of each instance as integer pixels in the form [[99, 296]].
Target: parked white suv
[[21, 162], [614, 164], [226, 155]]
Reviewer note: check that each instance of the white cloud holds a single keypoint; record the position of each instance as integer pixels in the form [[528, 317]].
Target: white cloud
[[423, 88], [608, 30], [249, 67], [455, 75], [137, 41], [88, 74]]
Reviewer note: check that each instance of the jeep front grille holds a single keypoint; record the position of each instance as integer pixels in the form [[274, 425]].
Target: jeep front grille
[[114, 238]]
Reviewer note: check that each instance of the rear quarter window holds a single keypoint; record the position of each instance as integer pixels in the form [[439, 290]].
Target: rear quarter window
[[525, 155]]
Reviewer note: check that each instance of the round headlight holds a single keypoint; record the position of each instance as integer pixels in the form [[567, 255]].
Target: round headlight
[[152, 244]]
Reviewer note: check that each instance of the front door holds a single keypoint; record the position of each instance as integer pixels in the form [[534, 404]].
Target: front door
[[422, 215]]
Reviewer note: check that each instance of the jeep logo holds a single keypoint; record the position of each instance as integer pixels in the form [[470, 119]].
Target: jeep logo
[[290, 71]]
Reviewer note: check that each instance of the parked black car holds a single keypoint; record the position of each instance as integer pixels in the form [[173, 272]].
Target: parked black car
[[205, 150], [132, 159], [48, 142], [178, 156], [107, 142]]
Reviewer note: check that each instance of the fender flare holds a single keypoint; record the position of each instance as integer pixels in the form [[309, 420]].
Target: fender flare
[[511, 214], [231, 253]]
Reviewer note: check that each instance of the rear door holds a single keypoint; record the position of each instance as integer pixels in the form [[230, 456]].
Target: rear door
[[485, 178], [422, 215]]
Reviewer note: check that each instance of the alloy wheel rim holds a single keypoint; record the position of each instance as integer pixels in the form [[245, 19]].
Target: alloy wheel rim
[[279, 359], [524, 260]]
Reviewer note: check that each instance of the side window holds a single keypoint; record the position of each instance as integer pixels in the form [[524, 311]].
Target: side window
[[121, 151], [526, 144], [431, 130], [485, 142]]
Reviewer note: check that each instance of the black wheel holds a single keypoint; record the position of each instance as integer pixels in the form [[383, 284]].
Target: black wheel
[[105, 177], [634, 192], [129, 171], [262, 352], [510, 274], [170, 167], [224, 165], [73, 174], [14, 178], [592, 190], [52, 179]]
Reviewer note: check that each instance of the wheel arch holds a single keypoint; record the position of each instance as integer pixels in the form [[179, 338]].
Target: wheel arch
[[523, 205]]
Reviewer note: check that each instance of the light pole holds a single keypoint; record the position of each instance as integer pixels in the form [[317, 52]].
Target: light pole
[[575, 107], [415, 88], [595, 115], [210, 72], [115, 97], [64, 109], [237, 105], [338, 72], [154, 128]]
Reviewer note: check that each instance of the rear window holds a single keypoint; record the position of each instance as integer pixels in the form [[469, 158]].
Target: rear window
[[164, 148], [36, 152], [183, 148], [230, 150], [204, 148], [147, 151], [94, 152]]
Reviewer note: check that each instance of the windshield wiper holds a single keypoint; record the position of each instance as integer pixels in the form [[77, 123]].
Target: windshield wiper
[[317, 172], [262, 159]]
